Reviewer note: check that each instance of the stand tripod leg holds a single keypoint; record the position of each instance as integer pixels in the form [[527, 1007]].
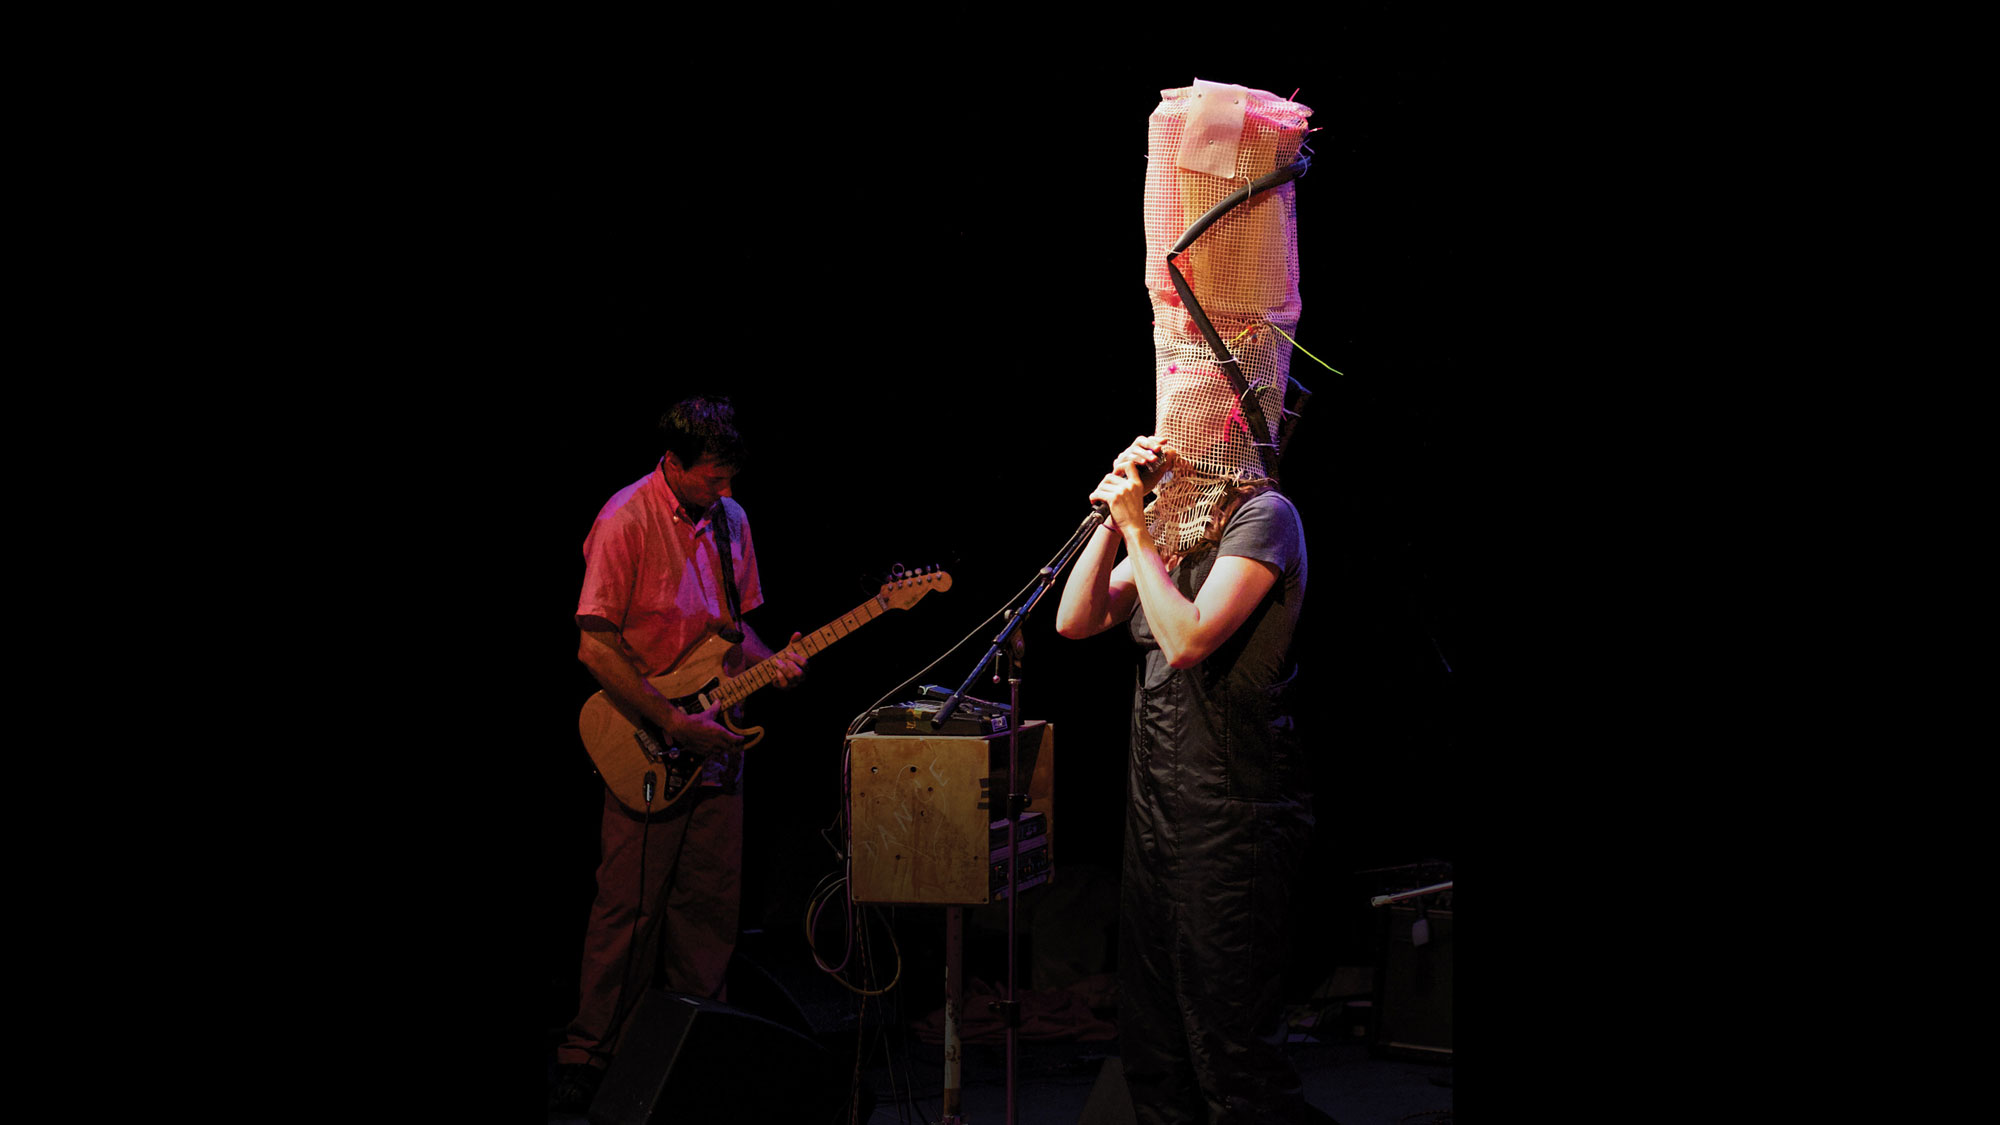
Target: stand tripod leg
[[954, 1000]]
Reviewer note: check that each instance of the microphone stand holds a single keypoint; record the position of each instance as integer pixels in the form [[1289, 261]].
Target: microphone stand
[[1098, 512], [1017, 800], [1385, 900]]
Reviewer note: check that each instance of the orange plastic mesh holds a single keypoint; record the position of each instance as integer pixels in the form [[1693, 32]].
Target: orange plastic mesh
[[1244, 270]]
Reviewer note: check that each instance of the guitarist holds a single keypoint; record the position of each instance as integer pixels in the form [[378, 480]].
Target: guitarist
[[668, 564]]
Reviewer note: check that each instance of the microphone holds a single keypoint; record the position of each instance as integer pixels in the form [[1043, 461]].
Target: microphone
[[1101, 511]]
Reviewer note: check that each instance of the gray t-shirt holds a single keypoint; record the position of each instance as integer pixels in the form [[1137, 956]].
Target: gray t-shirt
[[1236, 703], [1265, 528]]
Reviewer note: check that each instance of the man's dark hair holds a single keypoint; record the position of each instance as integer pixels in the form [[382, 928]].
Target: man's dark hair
[[704, 426]]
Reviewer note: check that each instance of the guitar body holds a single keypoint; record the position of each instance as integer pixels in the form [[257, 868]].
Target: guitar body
[[626, 748]]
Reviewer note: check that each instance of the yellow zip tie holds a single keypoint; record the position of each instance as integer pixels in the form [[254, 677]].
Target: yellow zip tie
[[1309, 355]]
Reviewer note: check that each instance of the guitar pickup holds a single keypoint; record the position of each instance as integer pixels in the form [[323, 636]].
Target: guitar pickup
[[650, 745]]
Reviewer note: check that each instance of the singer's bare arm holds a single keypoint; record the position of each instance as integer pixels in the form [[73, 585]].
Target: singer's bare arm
[[1187, 631], [1100, 593]]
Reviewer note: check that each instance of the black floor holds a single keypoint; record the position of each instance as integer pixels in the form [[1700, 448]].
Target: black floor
[[1058, 1083], [1371, 1039], [1346, 1080]]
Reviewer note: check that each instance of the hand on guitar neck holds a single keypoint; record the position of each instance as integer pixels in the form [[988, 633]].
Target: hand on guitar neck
[[787, 664]]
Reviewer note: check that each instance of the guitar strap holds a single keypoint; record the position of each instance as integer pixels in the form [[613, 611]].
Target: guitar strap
[[724, 771], [718, 522]]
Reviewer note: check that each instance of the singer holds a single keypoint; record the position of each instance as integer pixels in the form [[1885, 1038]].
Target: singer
[[1218, 815]]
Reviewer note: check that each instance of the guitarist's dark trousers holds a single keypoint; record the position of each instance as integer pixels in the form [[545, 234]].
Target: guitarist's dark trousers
[[693, 862]]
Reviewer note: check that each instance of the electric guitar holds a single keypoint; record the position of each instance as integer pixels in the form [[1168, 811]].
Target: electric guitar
[[640, 764]]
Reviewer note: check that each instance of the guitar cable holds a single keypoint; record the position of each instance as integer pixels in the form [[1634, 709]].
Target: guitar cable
[[854, 935], [625, 996]]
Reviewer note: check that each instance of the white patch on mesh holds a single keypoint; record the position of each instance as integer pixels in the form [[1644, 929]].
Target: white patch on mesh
[[1213, 129]]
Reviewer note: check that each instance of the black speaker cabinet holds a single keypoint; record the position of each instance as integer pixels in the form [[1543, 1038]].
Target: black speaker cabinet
[[1413, 1010], [686, 1059]]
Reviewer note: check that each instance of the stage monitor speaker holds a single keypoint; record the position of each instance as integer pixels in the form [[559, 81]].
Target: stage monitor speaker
[[1110, 1101], [684, 1058], [1413, 1015]]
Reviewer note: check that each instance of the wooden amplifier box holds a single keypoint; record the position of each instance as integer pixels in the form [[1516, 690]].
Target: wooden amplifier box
[[921, 810]]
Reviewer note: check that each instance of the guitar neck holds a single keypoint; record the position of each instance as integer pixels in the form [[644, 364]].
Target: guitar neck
[[738, 688]]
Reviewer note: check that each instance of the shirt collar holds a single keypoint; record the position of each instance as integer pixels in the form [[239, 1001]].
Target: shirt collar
[[675, 508]]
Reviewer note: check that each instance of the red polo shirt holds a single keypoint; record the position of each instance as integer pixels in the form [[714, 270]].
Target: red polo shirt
[[651, 569]]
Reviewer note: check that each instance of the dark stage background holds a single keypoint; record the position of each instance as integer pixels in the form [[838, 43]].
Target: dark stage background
[[936, 344]]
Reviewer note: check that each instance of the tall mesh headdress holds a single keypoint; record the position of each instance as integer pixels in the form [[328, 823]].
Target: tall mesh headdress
[[1222, 268]]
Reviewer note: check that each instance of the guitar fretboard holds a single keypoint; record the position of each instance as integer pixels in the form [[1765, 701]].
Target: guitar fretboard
[[738, 688]]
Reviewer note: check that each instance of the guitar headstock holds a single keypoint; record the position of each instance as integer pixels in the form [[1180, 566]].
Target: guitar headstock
[[906, 588]]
